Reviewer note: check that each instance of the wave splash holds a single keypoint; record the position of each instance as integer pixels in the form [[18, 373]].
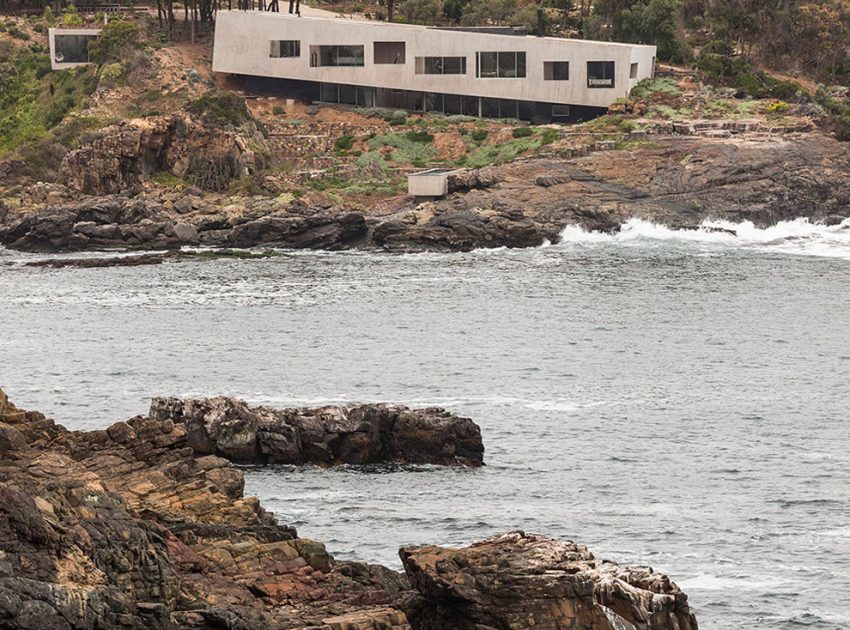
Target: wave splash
[[800, 236]]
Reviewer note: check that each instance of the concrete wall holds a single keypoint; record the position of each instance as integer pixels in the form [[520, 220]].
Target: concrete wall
[[52, 34], [242, 47]]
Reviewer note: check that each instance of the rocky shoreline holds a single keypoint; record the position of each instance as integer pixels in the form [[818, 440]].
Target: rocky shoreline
[[140, 526], [676, 181]]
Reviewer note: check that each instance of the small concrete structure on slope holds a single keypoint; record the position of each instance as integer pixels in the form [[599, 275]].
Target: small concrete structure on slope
[[69, 47]]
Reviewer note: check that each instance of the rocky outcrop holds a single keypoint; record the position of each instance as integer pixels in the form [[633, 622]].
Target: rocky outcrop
[[349, 434], [517, 580], [674, 181], [120, 157], [131, 527], [118, 221]]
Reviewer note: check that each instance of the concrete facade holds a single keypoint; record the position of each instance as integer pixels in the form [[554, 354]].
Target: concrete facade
[[394, 58], [69, 46]]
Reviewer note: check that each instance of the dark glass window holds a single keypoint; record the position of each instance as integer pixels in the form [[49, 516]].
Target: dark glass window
[[71, 48], [389, 52], [600, 74], [285, 48], [441, 65], [337, 56], [556, 70], [506, 65]]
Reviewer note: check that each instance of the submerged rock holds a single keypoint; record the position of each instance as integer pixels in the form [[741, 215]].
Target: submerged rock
[[347, 434], [132, 527]]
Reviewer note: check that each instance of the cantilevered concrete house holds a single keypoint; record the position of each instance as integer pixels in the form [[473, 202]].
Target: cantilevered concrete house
[[473, 72]]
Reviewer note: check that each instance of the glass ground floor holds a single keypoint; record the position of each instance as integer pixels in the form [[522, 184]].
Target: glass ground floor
[[478, 106]]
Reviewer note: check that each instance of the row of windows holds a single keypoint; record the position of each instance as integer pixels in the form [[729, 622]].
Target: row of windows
[[600, 74]]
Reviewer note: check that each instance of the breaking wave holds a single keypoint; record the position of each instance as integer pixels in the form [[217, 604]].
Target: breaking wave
[[800, 236]]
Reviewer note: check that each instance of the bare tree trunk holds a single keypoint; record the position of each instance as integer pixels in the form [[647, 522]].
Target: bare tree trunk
[[390, 10]]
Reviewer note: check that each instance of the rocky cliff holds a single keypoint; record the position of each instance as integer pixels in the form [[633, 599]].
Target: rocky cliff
[[131, 527], [678, 181]]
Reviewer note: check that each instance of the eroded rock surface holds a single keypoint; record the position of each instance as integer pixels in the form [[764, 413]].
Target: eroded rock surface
[[349, 434], [517, 580], [131, 527], [676, 181]]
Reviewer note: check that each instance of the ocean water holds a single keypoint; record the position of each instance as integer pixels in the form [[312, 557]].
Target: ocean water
[[673, 399]]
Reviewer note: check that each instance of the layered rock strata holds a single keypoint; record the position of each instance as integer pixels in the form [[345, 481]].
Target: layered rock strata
[[348, 434], [130, 527]]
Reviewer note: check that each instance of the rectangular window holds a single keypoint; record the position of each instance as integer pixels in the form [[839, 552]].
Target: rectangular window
[[389, 52], [600, 74], [506, 65], [633, 71], [560, 111], [322, 56], [556, 70], [72, 48], [285, 48], [441, 65]]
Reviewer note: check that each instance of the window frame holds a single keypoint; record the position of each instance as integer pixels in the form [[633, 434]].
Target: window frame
[[599, 85], [549, 70], [501, 66], [285, 48], [429, 65]]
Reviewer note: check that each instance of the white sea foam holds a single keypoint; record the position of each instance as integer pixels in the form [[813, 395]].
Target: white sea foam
[[799, 236]]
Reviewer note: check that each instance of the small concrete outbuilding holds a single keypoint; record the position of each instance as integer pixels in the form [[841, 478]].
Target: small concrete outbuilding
[[429, 184]]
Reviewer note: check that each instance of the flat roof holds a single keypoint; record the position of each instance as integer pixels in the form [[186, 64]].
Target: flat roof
[[417, 27]]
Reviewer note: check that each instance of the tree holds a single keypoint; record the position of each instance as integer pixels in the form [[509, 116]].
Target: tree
[[653, 22], [421, 11]]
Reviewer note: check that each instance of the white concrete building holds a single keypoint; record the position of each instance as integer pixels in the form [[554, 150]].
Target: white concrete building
[[428, 69], [69, 47]]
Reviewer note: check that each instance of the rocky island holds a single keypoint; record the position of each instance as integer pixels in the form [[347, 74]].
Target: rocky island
[[141, 525]]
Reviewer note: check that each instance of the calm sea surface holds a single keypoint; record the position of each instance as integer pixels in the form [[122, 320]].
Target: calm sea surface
[[681, 401]]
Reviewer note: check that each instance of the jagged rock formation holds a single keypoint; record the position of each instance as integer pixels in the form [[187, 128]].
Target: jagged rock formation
[[676, 181], [517, 580], [349, 434], [130, 527], [117, 221], [120, 157]]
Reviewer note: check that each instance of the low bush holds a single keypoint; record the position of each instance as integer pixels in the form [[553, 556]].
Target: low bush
[[344, 143], [224, 109], [420, 136], [70, 16], [114, 42], [479, 135], [277, 110], [522, 132]]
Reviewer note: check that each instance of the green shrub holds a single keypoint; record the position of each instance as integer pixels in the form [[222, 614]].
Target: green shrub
[[398, 117], [479, 135], [838, 110], [224, 109], [407, 150], [277, 110], [2, 27], [344, 143], [548, 135], [420, 136], [15, 32], [111, 74], [114, 42], [522, 132], [70, 16]]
